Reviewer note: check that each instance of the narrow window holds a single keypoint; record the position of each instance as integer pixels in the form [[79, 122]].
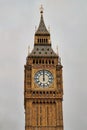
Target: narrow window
[[40, 120], [49, 62], [40, 61], [46, 40], [38, 40], [47, 115], [36, 61], [37, 114], [52, 61], [33, 61]]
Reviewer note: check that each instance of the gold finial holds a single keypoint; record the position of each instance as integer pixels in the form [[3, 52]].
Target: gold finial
[[41, 9]]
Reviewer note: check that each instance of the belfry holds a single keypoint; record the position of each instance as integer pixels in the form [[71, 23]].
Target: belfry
[[43, 84]]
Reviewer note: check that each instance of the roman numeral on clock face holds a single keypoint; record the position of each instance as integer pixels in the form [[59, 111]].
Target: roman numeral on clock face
[[43, 78]]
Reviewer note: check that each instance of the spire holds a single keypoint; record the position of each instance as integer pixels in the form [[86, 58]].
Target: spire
[[42, 28]]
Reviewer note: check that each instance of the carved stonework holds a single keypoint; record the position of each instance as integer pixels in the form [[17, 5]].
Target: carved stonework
[[43, 94]]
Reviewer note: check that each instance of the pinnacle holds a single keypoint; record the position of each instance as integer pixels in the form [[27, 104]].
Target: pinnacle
[[42, 28]]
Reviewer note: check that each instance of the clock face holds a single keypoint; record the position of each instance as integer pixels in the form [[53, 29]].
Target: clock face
[[43, 78]]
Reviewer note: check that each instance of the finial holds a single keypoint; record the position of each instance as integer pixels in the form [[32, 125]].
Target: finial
[[41, 9], [49, 28], [57, 50], [35, 28], [59, 61], [28, 50]]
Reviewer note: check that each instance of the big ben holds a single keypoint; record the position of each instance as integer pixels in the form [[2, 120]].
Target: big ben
[[43, 84]]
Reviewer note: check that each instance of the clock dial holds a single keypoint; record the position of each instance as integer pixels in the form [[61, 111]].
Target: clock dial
[[43, 78]]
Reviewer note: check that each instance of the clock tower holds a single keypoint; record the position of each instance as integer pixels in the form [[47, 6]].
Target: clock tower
[[43, 85]]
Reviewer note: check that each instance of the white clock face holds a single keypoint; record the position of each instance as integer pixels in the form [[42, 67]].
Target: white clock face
[[43, 78]]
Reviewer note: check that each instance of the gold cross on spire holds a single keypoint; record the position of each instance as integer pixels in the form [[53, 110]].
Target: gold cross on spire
[[41, 9]]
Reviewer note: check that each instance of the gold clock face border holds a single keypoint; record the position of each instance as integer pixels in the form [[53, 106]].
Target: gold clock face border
[[37, 87]]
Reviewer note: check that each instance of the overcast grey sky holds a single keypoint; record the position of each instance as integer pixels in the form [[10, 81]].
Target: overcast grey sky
[[68, 27]]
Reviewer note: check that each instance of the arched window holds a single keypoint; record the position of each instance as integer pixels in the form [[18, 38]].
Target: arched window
[[46, 61], [46, 40], [53, 92], [49, 62], [33, 61], [52, 61], [50, 92], [38, 40], [36, 61], [40, 61], [47, 92]]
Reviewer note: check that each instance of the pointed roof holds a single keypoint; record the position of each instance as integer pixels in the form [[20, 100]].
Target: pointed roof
[[42, 51], [42, 28]]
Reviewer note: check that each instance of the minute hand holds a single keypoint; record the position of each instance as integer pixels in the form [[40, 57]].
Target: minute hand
[[43, 76]]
